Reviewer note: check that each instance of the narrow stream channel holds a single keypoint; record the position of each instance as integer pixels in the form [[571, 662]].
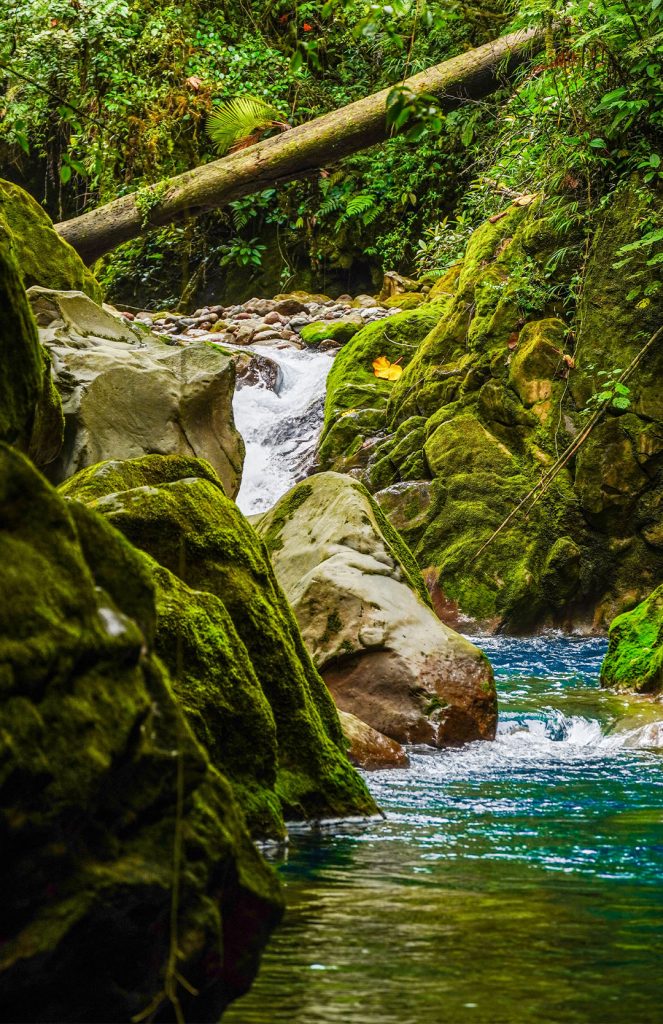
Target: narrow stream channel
[[280, 428], [514, 882]]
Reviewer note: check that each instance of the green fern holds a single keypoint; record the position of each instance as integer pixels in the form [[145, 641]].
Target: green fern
[[240, 118]]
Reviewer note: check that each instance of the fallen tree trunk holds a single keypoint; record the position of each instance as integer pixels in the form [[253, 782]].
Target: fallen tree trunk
[[294, 154]]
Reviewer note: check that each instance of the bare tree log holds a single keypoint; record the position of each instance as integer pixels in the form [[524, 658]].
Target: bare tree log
[[297, 152]]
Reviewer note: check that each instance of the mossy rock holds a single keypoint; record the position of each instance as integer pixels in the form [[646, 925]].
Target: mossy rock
[[44, 258], [101, 777], [30, 407], [408, 300], [352, 383], [635, 653], [191, 528], [339, 331], [503, 394]]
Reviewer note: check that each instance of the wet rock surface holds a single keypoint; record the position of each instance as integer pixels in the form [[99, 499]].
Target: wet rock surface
[[365, 617]]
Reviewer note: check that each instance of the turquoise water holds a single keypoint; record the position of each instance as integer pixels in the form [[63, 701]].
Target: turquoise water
[[515, 882]]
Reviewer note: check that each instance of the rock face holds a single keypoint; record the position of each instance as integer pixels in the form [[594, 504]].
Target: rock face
[[227, 634], [365, 617], [30, 409], [635, 653], [125, 393], [102, 785], [43, 257], [495, 388]]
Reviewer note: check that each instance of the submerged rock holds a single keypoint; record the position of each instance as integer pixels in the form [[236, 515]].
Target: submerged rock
[[274, 727], [365, 617], [369, 749], [125, 393], [103, 786], [635, 653]]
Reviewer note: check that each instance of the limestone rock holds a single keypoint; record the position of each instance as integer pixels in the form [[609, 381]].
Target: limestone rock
[[126, 393], [95, 750], [369, 749], [174, 509], [363, 609]]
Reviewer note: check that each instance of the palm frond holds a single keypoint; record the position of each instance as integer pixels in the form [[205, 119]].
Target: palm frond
[[240, 118]]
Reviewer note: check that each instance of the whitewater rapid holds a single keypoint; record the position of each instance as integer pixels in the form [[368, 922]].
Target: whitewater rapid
[[281, 427]]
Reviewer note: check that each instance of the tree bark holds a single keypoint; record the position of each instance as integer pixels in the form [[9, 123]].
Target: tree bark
[[295, 153]]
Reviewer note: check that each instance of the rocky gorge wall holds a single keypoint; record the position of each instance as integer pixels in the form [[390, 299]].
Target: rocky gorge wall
[[494, 390], [159, 709]]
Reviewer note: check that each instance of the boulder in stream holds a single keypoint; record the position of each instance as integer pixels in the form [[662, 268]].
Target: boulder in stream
[[366, 619]]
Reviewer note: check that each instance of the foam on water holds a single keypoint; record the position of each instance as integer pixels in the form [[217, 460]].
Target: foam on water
[[280, 428]]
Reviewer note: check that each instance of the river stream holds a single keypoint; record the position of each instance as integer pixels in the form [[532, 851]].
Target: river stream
[[514, 882]]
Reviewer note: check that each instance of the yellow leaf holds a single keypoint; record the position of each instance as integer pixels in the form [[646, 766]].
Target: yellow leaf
[[385, 370]]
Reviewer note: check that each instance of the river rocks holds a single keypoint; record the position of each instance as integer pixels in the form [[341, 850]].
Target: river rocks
[[101, 779], [364, 613], [43, 257], [175, 510], [369, 749], [125, 393], [635, 653], [288, 321]]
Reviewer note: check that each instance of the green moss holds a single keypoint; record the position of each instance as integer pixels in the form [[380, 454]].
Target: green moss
[[352, 384], [44, 258], [635, 653], [337, 330], [407, 300], [96, 749], [21, 365], [286, 509], [199, 535]]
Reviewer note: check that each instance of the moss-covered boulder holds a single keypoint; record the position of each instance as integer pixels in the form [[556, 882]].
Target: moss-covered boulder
[[339, 331], [30, 408], [44, 258], [119, 839], [366, 619], [176, 511], [635, 652], [356, 399], [491, 397]]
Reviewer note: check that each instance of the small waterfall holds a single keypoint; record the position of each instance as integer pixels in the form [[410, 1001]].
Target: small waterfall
[[281, 427]]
